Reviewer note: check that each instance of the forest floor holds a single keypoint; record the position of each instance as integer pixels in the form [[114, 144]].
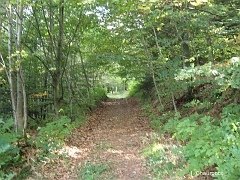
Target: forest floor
[[109, 146]]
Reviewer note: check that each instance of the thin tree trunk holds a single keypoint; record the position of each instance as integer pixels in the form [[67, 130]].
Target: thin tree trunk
[[174, 104], [152, 71], [85, 76], [11, 75], [57, 74], [193, 45], [51, 34], [21, 94], [185, 46], [186, 49], [17, 86], [156, 40], [209, 44], [20, 118], [71, 92], [19, 112], [160, 52], [25, 110]]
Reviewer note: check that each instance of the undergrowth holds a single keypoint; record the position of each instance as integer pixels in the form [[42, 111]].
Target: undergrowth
[[92, 171], [44, 137], [206, 124], [14, 149], [9, 151], [52, 136]]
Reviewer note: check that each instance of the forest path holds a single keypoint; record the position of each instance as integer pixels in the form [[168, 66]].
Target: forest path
[[113, 138]]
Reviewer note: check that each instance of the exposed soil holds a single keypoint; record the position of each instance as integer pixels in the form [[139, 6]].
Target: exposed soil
[[113, 136]]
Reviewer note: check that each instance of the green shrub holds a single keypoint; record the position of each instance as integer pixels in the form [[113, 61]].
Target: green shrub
[[51, 137], [170, 126], [142, 89], [133, 88], [9, 153], [92, 171], [98, 94], [210, 143]]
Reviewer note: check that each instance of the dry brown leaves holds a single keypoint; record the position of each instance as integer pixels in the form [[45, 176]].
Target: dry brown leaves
[[113, 134]]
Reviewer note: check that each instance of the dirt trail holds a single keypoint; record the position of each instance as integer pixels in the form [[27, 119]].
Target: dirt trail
[[112, 135]]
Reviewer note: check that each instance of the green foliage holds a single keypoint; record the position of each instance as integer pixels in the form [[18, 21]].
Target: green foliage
[[171, 124], [9, 153], [25, 172], [133, 88], [192, 103], [98, 94], [147, 111], [228, 74], [142, 89], [91, 171], [88, 101], [158, 122], [225, 74], [195, 34], [51, 137], [210, 143]]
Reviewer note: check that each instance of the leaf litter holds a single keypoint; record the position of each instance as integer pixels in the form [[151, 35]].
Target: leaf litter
[[112, 137]]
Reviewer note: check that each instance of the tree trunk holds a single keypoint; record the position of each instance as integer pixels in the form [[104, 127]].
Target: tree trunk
[[11, 75], [56, 92], [174, 103], [152, 72], [21, 113], [59, 62], [17, 86], [186, 49], [71, 92], [209, 45], [85, 76]]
